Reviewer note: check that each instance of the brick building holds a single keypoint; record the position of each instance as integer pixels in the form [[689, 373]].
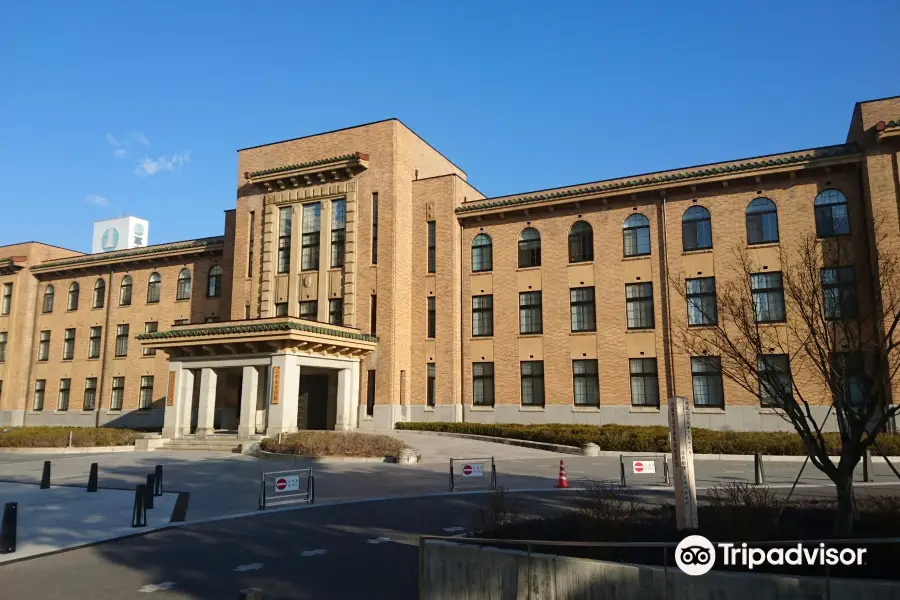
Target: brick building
[[361, 280]]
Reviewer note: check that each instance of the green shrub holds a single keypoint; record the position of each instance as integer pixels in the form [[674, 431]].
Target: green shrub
[[330, 443], [58, 437], [652, 438]]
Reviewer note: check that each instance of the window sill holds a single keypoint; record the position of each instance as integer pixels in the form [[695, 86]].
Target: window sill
[[117, 411], [60, 412], [530, 335], [428, 409], [585, 409], [182, 300], [590, 332], [154, 302], [637, 257], [147, 355], [531, 409], [481, 272], [93, 358], [774, 244], [119, 357], [644, 409], [96, 308], [66, 360], [581, 262], [474, 408], [480, 337], [35, 412], [124, 305], [708, 410], [520, 269], [703, 325], [641, 330], [697, 251], [86, 412]]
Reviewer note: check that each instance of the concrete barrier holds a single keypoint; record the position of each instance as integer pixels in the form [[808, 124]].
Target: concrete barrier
[[450, 571]]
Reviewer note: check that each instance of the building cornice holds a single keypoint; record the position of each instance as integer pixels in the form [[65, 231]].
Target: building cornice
[[125, 256], [253, 328], [884, 130], [666, 179], [314, 172], [11, 264]]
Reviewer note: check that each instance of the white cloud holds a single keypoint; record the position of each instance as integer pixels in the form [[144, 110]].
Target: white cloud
[[96, 200], [120, 152], [140, 138], [113, 140], [152, 166]]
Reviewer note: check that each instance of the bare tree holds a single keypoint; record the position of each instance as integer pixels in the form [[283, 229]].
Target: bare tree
[[826, 349]]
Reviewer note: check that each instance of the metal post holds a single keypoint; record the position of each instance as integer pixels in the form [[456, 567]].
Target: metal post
[[92, 478], [759, 474], [8, 528], [148, 490], [45, 476], [493, 474], [70, 439], [666, 479], [250, 594], [139, 515], [867, 463], [622, 470], [451, 475], [312, 487], [262, 491], [158, 480]]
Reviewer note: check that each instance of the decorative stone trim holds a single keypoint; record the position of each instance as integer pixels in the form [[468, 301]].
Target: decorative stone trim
[[312, 163], [254, 328], [199, 244]]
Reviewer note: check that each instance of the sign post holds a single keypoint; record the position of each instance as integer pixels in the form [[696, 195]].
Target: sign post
[[683, 463]]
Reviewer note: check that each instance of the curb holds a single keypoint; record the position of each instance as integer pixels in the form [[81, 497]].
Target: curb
[[68, 450], [262, 454]]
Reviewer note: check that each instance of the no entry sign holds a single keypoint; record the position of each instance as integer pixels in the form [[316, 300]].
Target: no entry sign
[[643, 466], [288, 483], [473, 470]]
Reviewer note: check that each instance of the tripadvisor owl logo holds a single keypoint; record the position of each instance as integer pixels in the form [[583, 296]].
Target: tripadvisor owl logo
[[695, 555]]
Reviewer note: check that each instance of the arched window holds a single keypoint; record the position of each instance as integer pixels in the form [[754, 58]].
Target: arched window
[[153, 288], [482, 253], [696, 229], [636, 235], [762, 221], [72, 302], [581, 242], [529, 248], [831, 214], [214, 282], [183, 291], [99, 294], [49, 294], [125, 291]]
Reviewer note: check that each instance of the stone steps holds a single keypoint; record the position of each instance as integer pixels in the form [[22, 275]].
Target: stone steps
[[219, 443]]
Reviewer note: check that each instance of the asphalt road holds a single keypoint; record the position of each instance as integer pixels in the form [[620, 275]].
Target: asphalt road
[[359, 550]]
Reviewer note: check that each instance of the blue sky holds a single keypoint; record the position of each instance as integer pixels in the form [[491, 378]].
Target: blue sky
[[113, 108]]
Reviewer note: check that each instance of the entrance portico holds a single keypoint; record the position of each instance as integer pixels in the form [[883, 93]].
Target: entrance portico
[[293, 374]]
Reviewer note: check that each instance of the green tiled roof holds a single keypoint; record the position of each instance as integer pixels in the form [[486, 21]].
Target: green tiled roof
[[312, 163], [173, 247], [663, 178], [255, 328]]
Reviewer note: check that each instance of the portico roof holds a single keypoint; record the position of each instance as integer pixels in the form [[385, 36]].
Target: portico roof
[[281, 334]]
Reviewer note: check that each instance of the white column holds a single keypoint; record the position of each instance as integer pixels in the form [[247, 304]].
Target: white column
[[185, 402], [247, 418], [345, 405], [207, 402], [172, 417], [355, 369], [283, 388]]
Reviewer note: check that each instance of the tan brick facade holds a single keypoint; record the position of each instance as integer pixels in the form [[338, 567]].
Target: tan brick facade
[[415, 185]]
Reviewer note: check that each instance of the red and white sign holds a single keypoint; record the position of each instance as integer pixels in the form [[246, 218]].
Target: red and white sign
[[290, 483], [473, 470], [643, 466]]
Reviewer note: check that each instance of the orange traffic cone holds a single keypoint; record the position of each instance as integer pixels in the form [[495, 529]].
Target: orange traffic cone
[[563, 482]]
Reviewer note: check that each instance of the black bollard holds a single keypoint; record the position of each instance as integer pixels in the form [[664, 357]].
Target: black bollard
[[759, 475], [867, 465], [157, 478], [45, 476], [148, 498], [92, 478], [139, 515], [8, 528]]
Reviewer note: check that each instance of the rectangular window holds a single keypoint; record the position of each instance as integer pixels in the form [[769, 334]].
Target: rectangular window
[[39, 386], [370, 393], [774, 379], [839, 293], [586, 383], [768, 297], [432, 246], [69, 344], [336, 311], [6, 303], [429, 390], [94, 342], [309, 310], [850, 379], [122, 340], [64, 389], [532, 382], [309, 255], [145, 400], [374, 228], [701, 301], [581, 306], [182, 322], [706, 373], [44, 346], [482, 315], [373, 314], [3, 337], [118, 393], [90, 393], [250, 244], [281, 309], [211, 320], [338, 231], [639, 305], [285, 218], [644, 382], [150, 327], [530, 318], [483, 384], [432, 317]]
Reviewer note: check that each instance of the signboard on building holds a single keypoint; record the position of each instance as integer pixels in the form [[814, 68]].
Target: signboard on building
[[119, 234]]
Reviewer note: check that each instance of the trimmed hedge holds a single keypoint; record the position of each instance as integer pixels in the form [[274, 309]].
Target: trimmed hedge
[[331, 443], [58, 437], [651, 438]]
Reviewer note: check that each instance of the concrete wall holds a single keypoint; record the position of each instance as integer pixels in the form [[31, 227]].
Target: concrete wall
[[452, 571]]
